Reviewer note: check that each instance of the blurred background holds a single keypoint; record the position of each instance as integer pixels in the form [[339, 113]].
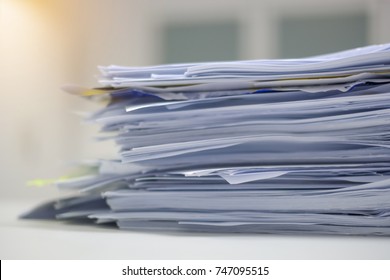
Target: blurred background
[[48, 43]]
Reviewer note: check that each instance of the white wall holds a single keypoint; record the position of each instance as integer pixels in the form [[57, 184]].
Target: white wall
[[48, 43], [34, 116]]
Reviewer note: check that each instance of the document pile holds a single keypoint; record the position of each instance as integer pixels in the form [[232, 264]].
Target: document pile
[[262, 146]]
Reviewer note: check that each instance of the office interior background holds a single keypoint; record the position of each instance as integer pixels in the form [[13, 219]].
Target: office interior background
[[49, 43]]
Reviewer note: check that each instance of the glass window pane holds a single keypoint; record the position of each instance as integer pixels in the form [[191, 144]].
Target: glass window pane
[[197, 42], [313, 35]]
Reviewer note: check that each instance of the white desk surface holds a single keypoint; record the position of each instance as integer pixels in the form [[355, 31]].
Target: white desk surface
[[28, 239]]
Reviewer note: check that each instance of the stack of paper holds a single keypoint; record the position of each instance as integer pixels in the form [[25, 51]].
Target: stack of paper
[[265, 146]]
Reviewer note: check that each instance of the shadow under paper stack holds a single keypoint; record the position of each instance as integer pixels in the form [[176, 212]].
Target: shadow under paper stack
[[265, 146]]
